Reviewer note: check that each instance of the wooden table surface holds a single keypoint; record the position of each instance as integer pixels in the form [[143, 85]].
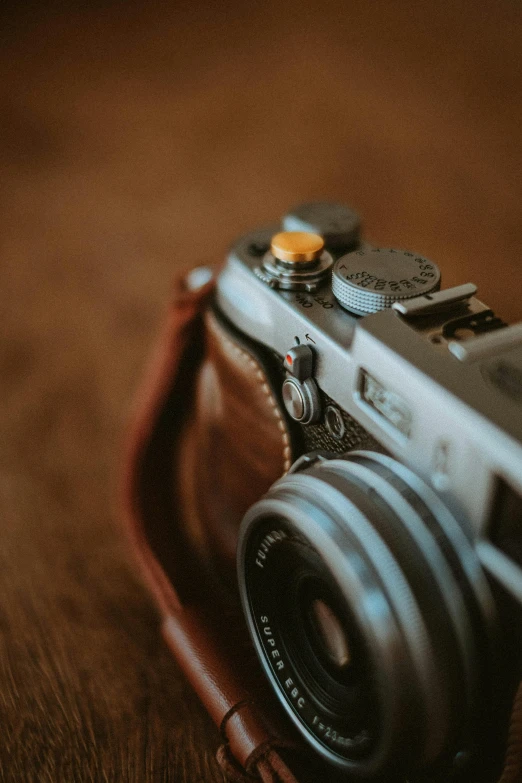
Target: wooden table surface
[[138, 137]]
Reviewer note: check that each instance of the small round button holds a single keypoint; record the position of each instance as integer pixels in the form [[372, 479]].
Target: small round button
[[296, 247], [334, 422], [367, 281], [302, 400], [293, 399]]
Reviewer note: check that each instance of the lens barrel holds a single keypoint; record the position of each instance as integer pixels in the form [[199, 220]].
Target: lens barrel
[[370, 613]]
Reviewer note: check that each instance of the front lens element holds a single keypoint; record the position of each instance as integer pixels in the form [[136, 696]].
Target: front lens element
[[328, 630]]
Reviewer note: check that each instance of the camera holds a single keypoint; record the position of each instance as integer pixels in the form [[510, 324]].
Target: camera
[[381, 574]]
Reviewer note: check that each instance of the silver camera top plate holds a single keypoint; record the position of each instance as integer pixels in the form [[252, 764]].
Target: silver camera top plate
[[453, 417]]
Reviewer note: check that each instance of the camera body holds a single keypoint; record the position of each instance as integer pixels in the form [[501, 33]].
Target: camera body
[[381, 577]]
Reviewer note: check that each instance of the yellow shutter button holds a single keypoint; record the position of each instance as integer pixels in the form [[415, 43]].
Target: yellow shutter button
[[297, 261], [296, 247]]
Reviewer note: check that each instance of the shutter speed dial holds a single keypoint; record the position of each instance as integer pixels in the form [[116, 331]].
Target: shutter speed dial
[[366, 281]]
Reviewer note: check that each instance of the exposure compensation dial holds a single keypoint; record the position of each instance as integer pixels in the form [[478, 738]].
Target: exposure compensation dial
[[366, 281]]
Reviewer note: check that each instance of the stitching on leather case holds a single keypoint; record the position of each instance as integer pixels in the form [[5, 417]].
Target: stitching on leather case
[[260, 376]]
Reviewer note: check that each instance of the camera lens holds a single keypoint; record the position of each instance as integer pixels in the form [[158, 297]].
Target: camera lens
[[369, 611]]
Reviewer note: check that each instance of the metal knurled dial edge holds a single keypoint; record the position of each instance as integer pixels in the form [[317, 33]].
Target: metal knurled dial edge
[[366, 281]]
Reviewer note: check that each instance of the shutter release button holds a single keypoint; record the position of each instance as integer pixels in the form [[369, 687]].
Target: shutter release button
[[296, 247]]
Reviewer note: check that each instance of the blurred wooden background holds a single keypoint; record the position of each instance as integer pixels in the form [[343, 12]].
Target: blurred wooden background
[[135, 137]]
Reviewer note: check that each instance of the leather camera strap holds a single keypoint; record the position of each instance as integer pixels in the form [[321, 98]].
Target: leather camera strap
[[255, 747], [193, 627]]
